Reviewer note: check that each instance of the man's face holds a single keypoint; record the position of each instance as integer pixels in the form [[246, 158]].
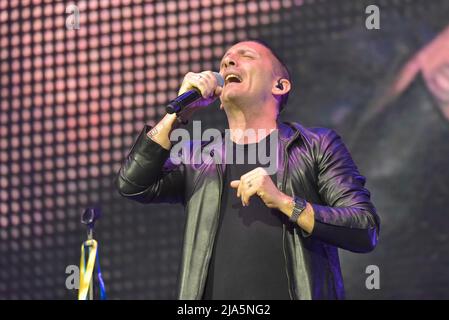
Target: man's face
[[247, 68]]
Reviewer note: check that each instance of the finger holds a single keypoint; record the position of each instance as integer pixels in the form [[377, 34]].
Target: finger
[[239, 189], [211, 82], [202, 85], [185, 86], [210, 77], [241, 186], [252, 182], [218, 91], [251, 177], [235, 184], [205, 88], [238, 184], [241, 192], [196, 81], [249, 192], [191, 80], [188, 85]]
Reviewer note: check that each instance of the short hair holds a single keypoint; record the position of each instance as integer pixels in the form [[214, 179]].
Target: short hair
[[284, 69]]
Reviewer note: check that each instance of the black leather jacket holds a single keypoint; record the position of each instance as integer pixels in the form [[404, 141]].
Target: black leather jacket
[[314, 164]]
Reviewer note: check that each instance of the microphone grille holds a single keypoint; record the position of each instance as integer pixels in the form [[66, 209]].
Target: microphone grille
[[219, 78]]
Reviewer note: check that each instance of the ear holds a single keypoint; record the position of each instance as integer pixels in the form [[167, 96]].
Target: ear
[[278, 90]]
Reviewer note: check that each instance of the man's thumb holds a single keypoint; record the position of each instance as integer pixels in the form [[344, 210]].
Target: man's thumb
[[218, 91]]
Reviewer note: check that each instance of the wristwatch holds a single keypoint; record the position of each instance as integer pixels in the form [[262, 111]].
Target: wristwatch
[[298, 208]]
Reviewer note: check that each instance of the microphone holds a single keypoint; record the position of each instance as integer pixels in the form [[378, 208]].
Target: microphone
[[90, 216], [189, 97]]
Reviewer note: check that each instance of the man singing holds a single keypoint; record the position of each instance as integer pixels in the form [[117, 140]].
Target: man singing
[[251, 233]]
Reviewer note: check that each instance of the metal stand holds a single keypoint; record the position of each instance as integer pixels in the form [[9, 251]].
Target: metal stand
[[90, 236]]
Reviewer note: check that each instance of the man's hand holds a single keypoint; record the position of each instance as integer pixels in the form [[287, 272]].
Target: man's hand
[[258, 182], [206, 83]]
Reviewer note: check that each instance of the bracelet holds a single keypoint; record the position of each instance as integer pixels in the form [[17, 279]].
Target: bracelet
[[298, 208]]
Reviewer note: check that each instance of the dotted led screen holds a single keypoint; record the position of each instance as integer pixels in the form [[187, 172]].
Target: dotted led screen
[[79, 79]]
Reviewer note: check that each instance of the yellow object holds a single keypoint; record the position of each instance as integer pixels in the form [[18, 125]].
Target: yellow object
[[86, 273]]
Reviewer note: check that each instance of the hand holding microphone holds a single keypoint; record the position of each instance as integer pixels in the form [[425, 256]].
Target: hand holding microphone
[[197, 90]]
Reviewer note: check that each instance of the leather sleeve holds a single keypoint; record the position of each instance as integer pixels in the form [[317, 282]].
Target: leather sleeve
[[349, 220], [148, 175]]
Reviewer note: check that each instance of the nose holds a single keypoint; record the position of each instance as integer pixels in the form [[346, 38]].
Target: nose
[[229, 61]]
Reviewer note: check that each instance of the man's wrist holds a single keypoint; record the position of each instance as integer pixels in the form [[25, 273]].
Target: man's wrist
[[306, 220], [161, 132], [290, 207], [286, 205]]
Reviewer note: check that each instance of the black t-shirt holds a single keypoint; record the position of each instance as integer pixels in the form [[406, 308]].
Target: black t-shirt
[[248, 259]]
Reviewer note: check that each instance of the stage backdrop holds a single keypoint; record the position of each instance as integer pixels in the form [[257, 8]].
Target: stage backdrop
[[72, 101]]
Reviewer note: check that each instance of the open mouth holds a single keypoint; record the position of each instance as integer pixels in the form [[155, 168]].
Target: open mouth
[[232, 78]]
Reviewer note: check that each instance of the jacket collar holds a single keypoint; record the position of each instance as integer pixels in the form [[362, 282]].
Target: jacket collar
[[287, 132]]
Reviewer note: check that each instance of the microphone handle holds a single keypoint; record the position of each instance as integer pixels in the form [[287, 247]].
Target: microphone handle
[[183, 101]]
